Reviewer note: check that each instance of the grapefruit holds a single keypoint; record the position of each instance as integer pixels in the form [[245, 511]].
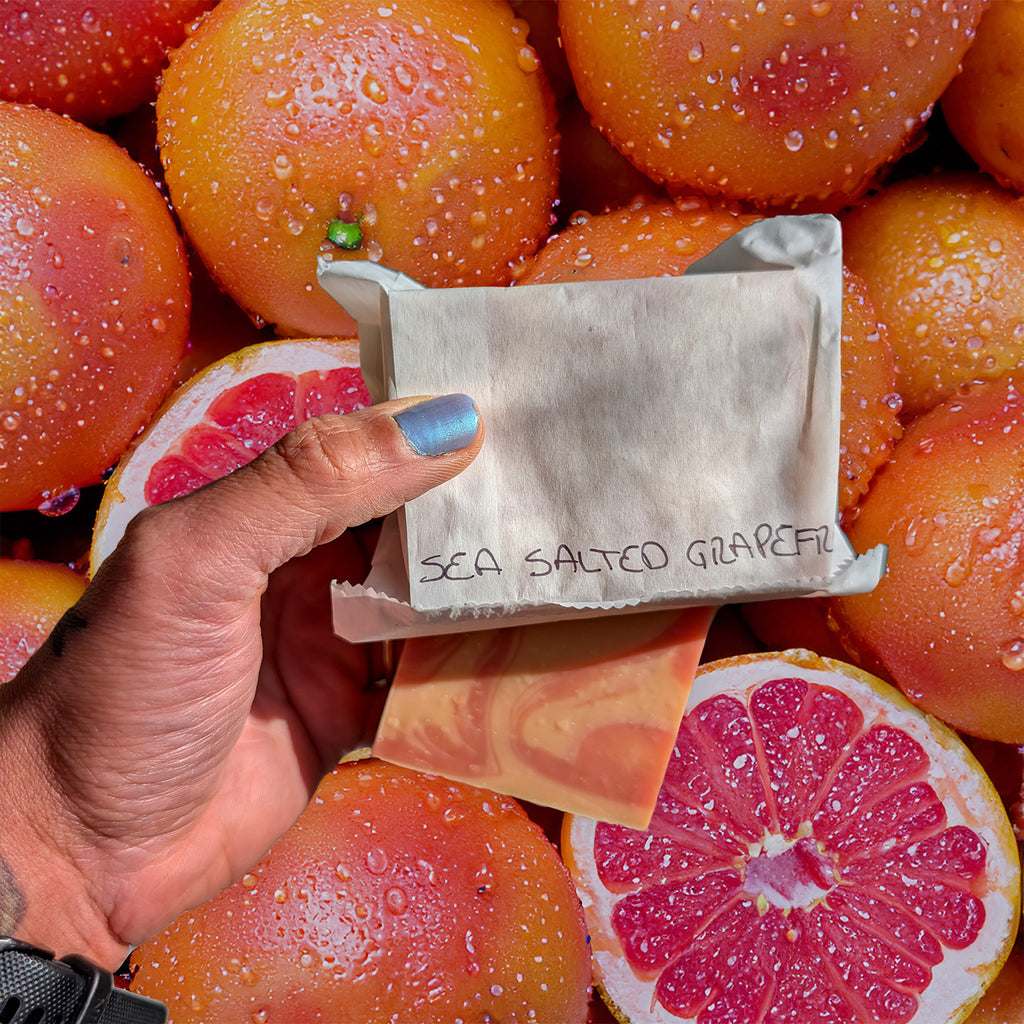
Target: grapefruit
[[396, 897], [773, 103], [946, 622], [428, 124], [94, 306], [821, 851], [982, 105], [93, 60], [34, 594], [942, 257], [222, 418]]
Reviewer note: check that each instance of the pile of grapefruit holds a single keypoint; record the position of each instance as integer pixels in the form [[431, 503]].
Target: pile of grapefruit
[[837, 838]]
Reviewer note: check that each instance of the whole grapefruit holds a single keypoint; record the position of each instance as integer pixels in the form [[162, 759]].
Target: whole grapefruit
[[982, 105], [91, 59], [423, 130], [94, 305], [34, 594], [779, 104], [946, 622], [943, 260], [395, 897]]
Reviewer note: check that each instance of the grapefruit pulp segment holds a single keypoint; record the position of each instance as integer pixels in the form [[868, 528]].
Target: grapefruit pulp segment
[[245, 420], [222, 418], [821, 851]]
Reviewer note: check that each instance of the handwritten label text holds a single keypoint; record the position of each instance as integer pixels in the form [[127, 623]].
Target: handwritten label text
[[766, 541]]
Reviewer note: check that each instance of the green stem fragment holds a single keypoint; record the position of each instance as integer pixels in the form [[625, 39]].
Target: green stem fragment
[[344, 234]]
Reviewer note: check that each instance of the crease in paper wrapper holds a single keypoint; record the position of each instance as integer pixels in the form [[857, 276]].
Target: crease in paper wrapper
[[659, 442]]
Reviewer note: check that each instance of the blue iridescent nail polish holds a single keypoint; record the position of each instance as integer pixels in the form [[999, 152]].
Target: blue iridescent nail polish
[[440, 425]]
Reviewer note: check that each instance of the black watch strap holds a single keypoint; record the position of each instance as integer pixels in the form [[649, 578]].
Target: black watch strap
[[37, 989]]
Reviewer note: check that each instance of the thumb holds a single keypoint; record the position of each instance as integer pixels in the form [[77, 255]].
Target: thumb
[[329, 474]]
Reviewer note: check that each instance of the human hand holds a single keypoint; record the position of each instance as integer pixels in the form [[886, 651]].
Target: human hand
[[180, 715]]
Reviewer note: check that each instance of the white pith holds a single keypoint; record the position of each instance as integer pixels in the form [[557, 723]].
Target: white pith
[[762, 879]]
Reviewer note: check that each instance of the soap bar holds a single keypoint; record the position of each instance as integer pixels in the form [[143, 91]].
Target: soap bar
[[579, 715]]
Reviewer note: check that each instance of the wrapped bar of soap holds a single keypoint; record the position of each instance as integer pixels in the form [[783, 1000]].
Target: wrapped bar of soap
[[651, 443]]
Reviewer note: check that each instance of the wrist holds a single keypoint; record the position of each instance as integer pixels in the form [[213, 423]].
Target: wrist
[[56, 912], [46, 899]]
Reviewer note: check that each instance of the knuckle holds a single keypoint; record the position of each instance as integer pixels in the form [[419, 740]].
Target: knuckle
[[144, 535], [150, 546], [313, 451], [333, 453]]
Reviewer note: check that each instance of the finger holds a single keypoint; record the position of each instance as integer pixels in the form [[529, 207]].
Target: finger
[[330, 474]]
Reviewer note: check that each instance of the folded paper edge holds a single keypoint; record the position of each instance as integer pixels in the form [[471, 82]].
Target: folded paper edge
[[362, 288], [363, 614]]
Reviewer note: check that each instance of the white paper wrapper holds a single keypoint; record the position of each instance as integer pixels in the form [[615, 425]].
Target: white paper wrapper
[[656, 442]]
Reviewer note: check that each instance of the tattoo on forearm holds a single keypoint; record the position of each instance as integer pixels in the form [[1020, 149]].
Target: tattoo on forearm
[[12, 900], [71, 620]]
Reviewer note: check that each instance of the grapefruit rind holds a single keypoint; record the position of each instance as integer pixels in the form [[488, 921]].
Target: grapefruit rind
[[123, 494], [969, 798]]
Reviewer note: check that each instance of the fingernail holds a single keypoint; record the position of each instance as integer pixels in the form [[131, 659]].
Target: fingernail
[[440, 425]]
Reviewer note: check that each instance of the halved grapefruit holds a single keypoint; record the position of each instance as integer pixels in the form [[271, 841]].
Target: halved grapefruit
[[222, 418], [821, 852]]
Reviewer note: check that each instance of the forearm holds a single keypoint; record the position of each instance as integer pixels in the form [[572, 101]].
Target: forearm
[[46, 898]]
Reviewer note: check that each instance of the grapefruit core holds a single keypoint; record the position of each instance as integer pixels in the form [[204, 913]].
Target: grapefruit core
[[222, 418], [821, 852]]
